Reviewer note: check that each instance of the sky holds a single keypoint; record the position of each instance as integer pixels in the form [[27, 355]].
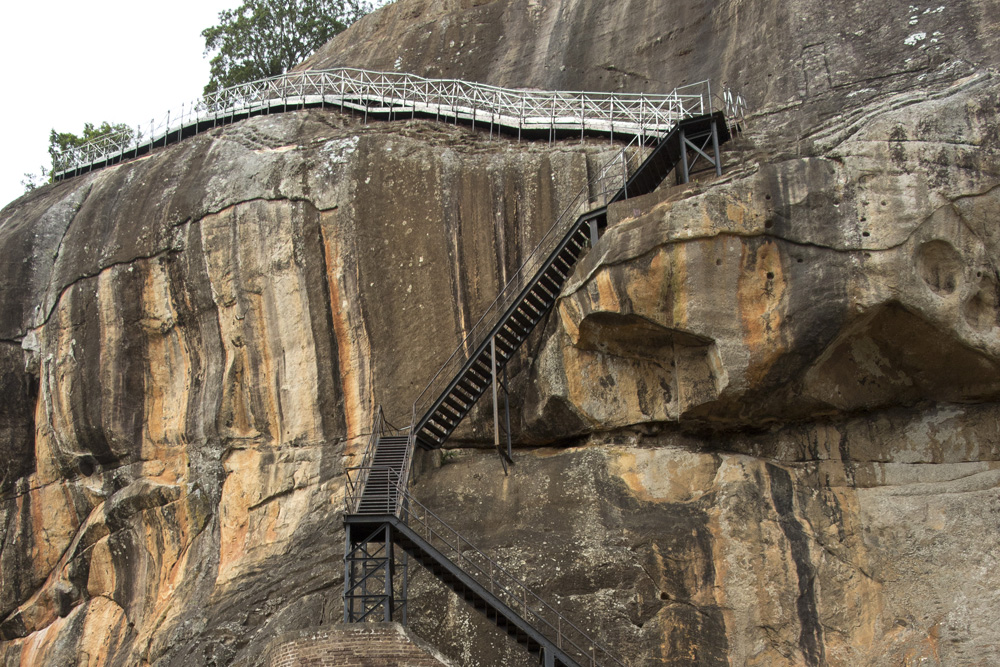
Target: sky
[[67, 63]]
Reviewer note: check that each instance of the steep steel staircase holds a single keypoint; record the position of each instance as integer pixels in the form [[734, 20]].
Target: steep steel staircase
[[381, 515], [403, 522], [671, 132], [523, 311]]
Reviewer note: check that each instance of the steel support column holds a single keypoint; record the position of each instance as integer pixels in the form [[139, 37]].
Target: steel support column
[[715, 149], [506, 457], [370, 576], [685, 175]]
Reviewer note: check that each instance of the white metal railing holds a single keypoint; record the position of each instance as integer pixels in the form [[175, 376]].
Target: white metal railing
[[396, 95]]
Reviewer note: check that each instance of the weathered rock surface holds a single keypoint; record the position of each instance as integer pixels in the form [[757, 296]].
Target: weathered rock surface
[[760, 427], [197, 359]]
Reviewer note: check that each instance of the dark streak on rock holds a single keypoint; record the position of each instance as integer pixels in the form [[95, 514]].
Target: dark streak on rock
[[811, 632]]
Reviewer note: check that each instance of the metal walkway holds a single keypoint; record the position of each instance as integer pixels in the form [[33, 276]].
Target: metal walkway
[[394, 95]]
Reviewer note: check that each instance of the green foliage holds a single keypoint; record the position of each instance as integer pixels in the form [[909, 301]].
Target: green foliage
[[59, 142], [263, 38]]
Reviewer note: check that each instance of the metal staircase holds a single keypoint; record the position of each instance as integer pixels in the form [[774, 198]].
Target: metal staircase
[[520, 307], [381, 516], [375, 532], [388, 461]]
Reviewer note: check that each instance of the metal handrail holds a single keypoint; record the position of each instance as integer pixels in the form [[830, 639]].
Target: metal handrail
[[356, 486], [501, 583], [393, 93], [611, 177]]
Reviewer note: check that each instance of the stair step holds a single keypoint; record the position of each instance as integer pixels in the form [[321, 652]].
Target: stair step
[[568, 256], [464, 394], [430, 426], [459, 406], [511, 332], [468, 384], [449, 412], [549, 283], [545, 291], [504, 346], [521, 320], [536, 300], [530, 312]]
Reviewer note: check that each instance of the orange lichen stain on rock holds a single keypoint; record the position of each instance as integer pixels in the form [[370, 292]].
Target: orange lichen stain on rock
[[234, 510], [569, 317], [351, 340], [266, 382], [649, 290], [720, 563], [36, 646], [104, 624], [101, 577], [168, 369], [736, 214], [762, 300], [678, 286], [623, 465], [604, 294], [664, 475], [927, 652], [54, 523]]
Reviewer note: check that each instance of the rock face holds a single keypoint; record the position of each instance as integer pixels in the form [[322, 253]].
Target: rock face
[[760, 427]]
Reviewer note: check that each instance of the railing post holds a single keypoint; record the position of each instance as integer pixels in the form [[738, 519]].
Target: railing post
[[496, 404], [684, 156], [715, 149], [389, 567], [624, 174]]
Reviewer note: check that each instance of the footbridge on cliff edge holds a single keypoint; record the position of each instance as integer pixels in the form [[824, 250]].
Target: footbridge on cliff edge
[[385, 525], [530, 114]]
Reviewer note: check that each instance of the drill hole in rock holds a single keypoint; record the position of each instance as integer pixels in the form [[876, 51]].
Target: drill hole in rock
[[88, 466]]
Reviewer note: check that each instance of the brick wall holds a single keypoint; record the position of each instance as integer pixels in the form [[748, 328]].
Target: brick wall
[[355, 645]]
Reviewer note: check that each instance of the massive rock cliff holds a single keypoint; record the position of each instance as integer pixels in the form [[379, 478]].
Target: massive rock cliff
[[760, 426]]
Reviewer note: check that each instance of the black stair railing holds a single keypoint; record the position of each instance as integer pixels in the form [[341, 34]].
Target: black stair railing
[[490, 343], [377, 501], [502, 596], [528, 282], [389, 452]]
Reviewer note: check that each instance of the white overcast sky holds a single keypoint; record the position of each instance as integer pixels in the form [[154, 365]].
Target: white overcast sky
[[67, 63]]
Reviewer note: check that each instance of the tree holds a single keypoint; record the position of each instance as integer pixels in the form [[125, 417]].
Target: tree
[[263, 38], [60, 142]]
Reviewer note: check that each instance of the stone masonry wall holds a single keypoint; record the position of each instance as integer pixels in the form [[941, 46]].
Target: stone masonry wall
[[364, 645]]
